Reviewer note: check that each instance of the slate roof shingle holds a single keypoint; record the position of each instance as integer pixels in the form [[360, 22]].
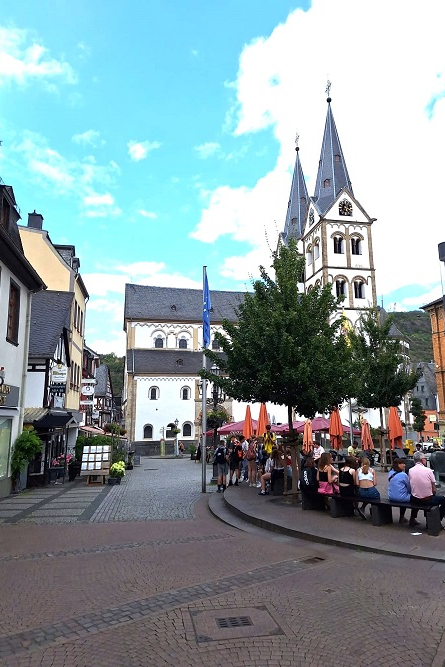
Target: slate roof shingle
[[164, 362], [144, 302], [50, 314]]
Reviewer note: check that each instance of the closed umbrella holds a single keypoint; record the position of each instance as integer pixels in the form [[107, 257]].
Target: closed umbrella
[[366, 436], [263, 420], [395, 429], [308, 442], [336, 429], [248, 425]]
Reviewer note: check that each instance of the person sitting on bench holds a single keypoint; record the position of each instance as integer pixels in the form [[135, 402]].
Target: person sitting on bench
[[423, 485], [308, 477], [365, 479], [399, 489]]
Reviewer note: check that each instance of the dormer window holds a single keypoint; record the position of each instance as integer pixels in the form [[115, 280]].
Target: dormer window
[[173, 308], [327, 183], [303, 201], [180, 362], [337, 158]]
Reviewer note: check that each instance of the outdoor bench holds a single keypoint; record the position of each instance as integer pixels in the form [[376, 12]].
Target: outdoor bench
[[381, 509]]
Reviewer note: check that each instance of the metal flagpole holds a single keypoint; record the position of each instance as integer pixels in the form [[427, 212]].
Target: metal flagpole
[[206, 342], [351, 428]]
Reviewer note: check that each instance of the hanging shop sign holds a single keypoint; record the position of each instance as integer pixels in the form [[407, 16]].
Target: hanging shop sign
[[86, 402], [9, 396], [59, 373], [88, 389]]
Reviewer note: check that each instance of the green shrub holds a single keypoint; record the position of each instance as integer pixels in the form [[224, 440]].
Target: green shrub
[[26, 447]]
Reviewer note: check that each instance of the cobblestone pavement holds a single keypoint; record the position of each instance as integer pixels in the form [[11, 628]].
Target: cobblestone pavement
[[186, 590]]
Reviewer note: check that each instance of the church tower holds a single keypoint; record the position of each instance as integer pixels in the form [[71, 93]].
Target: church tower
[[335, 235], [298, 203]]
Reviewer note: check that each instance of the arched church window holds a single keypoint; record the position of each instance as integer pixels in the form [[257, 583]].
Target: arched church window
[[338, 245], [316, 251], [185, 393], [340, 287], [187, 430], [327, 183], [309, 256], [356, 246], [153, 393], [182, 344], [215, 344], [148, 432], [359, 289], [159, 341]]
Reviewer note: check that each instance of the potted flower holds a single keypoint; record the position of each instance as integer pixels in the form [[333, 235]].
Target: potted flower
[[117, 471]]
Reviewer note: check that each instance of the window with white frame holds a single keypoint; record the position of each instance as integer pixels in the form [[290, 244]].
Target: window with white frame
[[340, 287], [309, 256], [159, 341], [185, 393], [316, 250], [153, 393], [148, 432], [187, 430]]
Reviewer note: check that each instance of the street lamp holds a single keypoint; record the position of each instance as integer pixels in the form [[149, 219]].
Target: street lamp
[[176, 437]]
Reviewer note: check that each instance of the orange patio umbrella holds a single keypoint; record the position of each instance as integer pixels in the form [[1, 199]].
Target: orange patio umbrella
[[395, 429], [308, 442], [248, 425], [336, 429], [366, 436], [263, 420]]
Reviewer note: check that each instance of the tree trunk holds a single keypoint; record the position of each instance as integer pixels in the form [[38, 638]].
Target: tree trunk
[[294, 455]]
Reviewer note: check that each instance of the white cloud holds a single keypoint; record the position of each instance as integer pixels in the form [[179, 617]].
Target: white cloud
[[208, 150], [390, 121], [114, 343], [78, 179], [24, 60], [88, 138], [148, 214], [427, 297], [139, 150]]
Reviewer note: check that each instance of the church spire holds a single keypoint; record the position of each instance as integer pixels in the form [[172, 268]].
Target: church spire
[[332, 174], [298, 201]]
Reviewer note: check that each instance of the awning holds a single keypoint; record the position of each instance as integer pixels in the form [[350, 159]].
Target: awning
[[53, 419], [95, 430]]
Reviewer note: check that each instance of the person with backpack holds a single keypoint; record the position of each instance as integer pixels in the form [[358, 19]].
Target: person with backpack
[[220, 458], [251, 457], [235, 460]]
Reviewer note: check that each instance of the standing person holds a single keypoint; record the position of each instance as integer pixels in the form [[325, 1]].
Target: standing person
[[233, 461], [220, 460], [199, 452], [317, 451], [399, 489], [269, 440], [423, 486], [181, 448], [244, 476], [366, 480], [251, 458]]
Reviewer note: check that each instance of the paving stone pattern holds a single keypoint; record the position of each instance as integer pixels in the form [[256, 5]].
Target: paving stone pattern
[[149, 593]]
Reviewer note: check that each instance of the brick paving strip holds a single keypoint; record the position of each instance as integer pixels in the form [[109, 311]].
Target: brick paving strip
[[113, 547], [88, 624]]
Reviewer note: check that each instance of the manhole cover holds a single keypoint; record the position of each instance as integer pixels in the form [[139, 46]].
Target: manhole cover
[[210, 626], [233, 622]]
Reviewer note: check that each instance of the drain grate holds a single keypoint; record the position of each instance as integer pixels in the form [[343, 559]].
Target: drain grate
[[233, 622]]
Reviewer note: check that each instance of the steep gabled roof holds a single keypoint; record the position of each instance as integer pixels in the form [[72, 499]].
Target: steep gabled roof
[[332, 172], [50, 315], [173, 304], [102, 376], [297, 205]]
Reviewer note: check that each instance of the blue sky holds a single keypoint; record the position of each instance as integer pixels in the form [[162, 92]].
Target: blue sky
[[158, 136]]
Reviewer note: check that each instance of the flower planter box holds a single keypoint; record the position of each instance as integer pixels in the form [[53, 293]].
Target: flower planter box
[[114, 480]]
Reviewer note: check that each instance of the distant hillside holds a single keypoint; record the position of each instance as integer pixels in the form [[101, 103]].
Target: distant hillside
[[416, 327]]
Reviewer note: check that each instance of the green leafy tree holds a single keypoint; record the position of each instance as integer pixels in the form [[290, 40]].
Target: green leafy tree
[[418, 414], [286, 346], [382, 373], [116, 366]]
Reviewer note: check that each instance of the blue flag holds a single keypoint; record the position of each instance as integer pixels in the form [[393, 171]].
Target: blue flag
[[206, 305]]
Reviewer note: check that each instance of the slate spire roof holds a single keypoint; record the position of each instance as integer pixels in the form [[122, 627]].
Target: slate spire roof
[[332, 174], [298, 203]]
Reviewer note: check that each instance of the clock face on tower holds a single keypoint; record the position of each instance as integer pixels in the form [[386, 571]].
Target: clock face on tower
[[345, 207]]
